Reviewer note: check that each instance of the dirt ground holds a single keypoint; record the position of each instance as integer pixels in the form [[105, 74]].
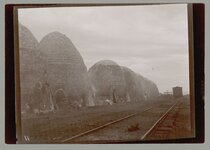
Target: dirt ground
[[56, 127]]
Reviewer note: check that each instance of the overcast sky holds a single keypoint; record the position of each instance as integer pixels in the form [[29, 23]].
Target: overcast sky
[[150, 40]]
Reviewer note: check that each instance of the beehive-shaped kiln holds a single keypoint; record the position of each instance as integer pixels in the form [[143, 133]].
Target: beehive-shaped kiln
[[107, 80], [134, 88], [150, 89], [65, 68], [31, 62]]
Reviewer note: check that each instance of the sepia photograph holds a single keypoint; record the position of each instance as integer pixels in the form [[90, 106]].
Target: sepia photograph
[[103, 74]]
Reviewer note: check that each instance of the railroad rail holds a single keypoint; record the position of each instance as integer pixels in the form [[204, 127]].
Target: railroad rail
[[102, 126], [151, 131], [154, 123], [157, 128]]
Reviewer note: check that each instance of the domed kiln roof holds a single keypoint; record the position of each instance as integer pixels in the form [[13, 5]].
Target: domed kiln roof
[[26, 38], [106, 62], [58, 48], [107, 74]]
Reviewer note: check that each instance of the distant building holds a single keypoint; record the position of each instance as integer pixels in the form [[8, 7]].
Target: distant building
[[168, 93], [177, 92]]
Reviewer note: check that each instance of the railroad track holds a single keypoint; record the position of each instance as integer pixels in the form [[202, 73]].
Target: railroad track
[[102, 126], [148, 133], [163, 127], [155, 122]]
